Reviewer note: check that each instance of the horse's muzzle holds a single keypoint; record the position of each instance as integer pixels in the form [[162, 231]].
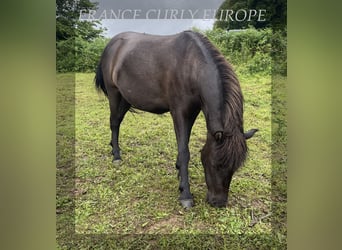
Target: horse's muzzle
[[216, 201]]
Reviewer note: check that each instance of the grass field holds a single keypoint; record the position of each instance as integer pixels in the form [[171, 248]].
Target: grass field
[[136, 203]]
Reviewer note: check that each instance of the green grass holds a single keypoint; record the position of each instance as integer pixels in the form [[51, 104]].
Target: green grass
[[140, 197]]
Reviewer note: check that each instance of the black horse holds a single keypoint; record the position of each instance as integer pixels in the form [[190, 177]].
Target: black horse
[[182, 74]]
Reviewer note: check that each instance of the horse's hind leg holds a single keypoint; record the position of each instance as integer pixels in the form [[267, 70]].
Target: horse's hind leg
[[118, 108]]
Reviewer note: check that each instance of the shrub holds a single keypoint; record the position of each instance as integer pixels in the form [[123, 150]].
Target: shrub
[[279, 52], [65, 56], [251, 49], [88, 54], [78, 55]]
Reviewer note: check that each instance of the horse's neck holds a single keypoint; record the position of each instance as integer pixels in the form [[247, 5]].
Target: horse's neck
[[212, 106]]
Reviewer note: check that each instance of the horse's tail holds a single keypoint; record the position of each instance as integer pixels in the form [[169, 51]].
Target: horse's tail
[[99, 82]]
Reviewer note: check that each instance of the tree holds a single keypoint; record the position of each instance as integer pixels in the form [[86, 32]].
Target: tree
[[276, 12], [74, 37], [68, 24]]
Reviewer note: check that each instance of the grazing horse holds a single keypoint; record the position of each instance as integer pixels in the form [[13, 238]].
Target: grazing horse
[[182, 74]]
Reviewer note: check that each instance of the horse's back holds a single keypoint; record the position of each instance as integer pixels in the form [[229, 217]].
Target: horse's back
[[148, 53]]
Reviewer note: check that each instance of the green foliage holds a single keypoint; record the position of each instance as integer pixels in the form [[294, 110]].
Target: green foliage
[[279, 52], [252, 50], [65, 55], [88, 54], [79, 55], [68, 25], [77, 42]]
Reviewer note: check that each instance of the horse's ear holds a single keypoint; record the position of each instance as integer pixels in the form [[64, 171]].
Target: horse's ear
[[250, 133], [218, 136]]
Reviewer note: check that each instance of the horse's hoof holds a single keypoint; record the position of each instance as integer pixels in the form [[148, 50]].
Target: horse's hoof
[[187, 203], [117, 162]]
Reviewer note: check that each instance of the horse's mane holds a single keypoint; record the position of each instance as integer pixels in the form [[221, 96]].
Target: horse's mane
[[232, 151]]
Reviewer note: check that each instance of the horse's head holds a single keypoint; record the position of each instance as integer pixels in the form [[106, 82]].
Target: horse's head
[[221, 156]]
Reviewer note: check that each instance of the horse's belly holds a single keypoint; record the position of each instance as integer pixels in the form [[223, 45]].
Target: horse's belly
[[145, 99]]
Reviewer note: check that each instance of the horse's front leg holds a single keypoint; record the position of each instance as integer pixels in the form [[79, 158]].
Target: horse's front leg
[[183, 124], [185, 198]]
